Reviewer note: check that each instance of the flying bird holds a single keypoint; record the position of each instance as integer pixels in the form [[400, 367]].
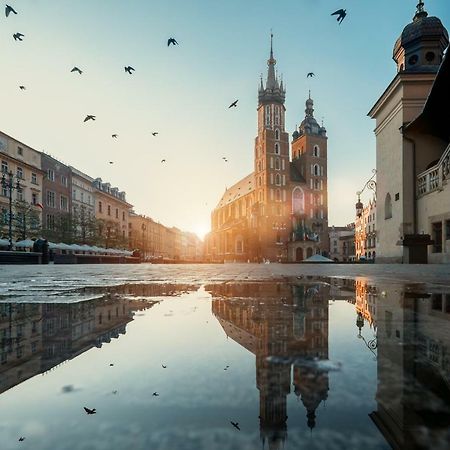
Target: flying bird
[[233, 105], [163, 160], [22, 88], [114, 136], [111, 365], [90, 411], [8, 11], [163, 366], [155, 133], [18, 36], [89, 117], [76, 69], [310, 75], [171, 41], [155, 394], [114, 392], [129, 70], [341, 13], [111, 162], [21, 439], [235, 425]]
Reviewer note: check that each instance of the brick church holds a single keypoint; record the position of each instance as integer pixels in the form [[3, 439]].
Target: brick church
[[279, 212]]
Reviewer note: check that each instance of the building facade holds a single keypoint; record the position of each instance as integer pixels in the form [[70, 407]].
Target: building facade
[[366, 232], [278, 212], [342, 243], [112, 212], [57, 205], [25, 165], [412, 135]]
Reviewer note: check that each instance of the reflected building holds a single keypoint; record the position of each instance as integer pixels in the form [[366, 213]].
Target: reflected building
[[37, 337], [413, 363], [284, 326]]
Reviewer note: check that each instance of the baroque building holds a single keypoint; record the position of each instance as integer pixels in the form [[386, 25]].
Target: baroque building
[[279, 212], [413, 148]]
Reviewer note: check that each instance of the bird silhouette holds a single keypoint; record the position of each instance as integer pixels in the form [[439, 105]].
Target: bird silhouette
[[155, 133], [155, 394], [233, 105], [76, 69], [89, 117], [341, 13], [90, 411], [310, 75], [114, 136], [114, 392], [18, 36], [9, 10], [22, 88], [163, 160], [235, 425], [111, 162], [171, 41], [163, 366], [129, 70], [111, 365], [21, 439]]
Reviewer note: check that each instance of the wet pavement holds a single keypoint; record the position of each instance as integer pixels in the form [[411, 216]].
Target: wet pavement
[[170, 361]]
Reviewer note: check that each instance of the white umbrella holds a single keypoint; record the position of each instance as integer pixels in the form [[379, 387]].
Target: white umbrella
[[318, 259], [62, 246], [27, 243], [4, 243]]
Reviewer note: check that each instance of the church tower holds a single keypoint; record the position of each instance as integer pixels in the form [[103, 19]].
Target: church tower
[[271, 167], [310, 158]]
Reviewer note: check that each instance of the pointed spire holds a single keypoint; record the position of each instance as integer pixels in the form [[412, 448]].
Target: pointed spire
[[272, 82]]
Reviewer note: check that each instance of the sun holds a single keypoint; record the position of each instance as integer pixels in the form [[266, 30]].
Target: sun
[[201, 230]]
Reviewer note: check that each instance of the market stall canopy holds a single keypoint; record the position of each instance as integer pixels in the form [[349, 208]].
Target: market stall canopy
[[318, 259]]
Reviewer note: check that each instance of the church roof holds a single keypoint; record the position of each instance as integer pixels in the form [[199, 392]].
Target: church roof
[[238, 190]]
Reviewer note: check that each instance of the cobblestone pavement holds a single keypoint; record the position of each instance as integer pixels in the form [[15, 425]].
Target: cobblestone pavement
[[59, 277]]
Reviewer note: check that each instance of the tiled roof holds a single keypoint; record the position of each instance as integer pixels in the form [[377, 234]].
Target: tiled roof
[[238, 190]]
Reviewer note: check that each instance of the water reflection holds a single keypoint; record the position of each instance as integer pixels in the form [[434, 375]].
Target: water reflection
[[37, 337]]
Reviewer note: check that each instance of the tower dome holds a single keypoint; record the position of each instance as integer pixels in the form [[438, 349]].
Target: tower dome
[[421, 46]]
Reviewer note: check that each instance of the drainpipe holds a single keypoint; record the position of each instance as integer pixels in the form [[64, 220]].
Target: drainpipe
[[413, 143]]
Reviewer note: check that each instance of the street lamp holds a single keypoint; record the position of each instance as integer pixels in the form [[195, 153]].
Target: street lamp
[[9, 185], [371, 184]]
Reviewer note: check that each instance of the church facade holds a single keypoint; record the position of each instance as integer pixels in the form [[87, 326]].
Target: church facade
[[279, 212]]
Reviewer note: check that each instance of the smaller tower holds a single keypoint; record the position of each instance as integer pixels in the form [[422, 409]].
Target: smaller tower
[[309, 155]]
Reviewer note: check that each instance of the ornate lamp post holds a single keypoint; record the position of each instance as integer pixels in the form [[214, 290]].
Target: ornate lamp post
[[371, 184], [10, 185]]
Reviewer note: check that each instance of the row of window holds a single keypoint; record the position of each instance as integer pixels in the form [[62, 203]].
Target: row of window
[[89, 200], [51, 177], [438, 234], [108, 210], [275, 109], [51, 201], [19, 172]]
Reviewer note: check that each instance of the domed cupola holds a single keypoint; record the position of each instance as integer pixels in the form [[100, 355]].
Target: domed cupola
[[421, 46]]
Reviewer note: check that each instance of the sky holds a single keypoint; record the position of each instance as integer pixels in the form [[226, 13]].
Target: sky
[[183, 92]]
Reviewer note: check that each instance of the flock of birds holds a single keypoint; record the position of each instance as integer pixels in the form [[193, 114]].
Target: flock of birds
[[340, 13]]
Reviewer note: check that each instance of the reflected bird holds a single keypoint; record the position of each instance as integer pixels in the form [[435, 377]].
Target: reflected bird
[[155, 394], [76, 69], [129, 70], [341, 13], [90, 411], [171, 41], [8, 11], [163, 366], [233, 105], [310, 75], [18, 36], [89, 117], [235, 425]]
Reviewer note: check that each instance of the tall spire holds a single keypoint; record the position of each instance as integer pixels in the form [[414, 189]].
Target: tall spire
[[272, 82]]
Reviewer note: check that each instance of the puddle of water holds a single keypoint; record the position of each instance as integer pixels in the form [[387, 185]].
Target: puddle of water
[[305, 363]]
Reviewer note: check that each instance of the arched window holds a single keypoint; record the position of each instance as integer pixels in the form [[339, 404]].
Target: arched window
[[277, 163], [277, 148], [278, 179], [277, 134], [277, 195], [298, 201], [316, 170], [388, 206], [268, 119], [316, 151], [277, 115], [259, 166]]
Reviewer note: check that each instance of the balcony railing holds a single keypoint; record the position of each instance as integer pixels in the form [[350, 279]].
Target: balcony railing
[[434, 178]]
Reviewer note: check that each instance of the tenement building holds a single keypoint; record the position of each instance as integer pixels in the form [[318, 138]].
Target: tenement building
[[366, 232], [279, 212], [413, 148]]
